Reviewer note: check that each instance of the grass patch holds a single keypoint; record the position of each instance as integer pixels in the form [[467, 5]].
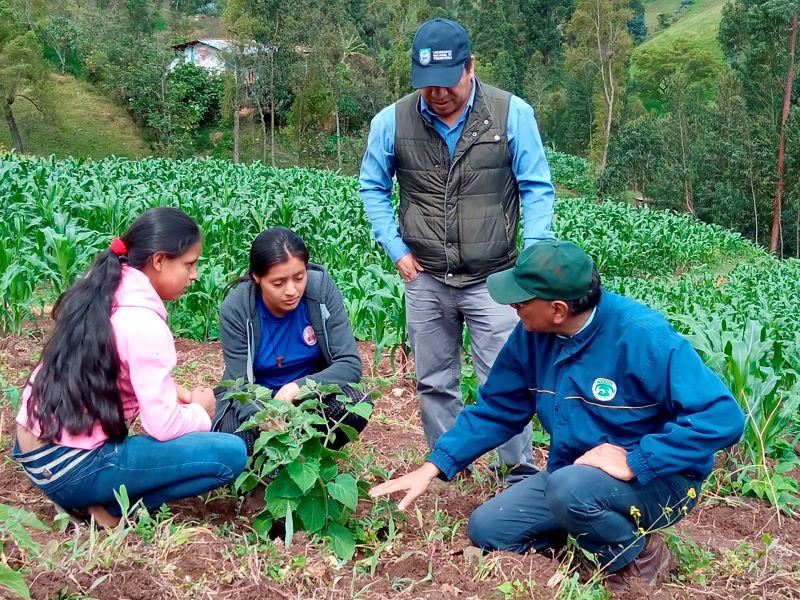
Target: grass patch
[[653, 8], [82, 123], [699, 24]]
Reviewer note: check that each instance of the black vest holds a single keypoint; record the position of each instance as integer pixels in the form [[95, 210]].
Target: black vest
[[460, 218]]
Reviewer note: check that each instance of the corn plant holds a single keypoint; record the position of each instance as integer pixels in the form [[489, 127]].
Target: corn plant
[[763, 374], [56, 214], [66, 250]]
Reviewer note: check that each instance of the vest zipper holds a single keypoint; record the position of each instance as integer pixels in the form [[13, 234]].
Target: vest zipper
[[446, 187]]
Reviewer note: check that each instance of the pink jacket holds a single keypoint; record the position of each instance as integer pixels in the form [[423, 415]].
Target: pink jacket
[[147, 356]]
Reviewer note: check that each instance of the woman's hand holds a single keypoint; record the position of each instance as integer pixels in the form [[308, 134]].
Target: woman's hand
[[204, 396], [184, 395], [288, 392]]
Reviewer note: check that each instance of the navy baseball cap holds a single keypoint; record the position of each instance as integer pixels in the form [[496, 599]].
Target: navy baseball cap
[[440, 49]]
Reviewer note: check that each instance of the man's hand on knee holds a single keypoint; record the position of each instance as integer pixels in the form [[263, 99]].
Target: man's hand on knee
[[610, 459], [414, 484]]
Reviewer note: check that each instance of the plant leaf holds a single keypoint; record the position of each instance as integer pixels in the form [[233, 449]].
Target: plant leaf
[[312, 512], [345, 490], [12, 580], [304, 474], [287, 540], [344, 545]]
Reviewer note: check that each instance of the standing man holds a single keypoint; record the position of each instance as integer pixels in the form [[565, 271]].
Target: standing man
[[466, 155]]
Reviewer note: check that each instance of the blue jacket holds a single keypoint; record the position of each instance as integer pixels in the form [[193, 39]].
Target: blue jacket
[[628, 379]]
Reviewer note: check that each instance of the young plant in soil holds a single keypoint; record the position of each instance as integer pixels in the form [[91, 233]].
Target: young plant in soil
[[305, 487], [14, 525]]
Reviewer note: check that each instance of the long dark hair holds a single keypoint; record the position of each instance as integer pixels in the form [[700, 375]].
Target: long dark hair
[[77, 382], [271, 247]]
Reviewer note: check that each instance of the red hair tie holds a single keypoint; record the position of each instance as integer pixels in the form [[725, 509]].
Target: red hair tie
[[118, 247]]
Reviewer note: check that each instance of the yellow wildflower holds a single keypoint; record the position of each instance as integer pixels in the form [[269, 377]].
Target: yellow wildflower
[[691, 493], [635, 512]]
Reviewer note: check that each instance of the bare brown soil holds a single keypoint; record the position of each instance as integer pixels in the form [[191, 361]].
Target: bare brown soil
[[204, 552]]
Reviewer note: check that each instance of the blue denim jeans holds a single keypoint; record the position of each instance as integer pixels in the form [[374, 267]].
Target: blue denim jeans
[[602, 513], [155, 472]]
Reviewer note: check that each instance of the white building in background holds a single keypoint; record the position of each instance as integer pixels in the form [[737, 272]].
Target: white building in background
[[210, 53]]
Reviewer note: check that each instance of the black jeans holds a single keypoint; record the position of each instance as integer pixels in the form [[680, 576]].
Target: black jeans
[[335, 411]]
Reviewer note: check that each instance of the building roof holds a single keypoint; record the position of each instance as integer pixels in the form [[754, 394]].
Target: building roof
[[223, 44]]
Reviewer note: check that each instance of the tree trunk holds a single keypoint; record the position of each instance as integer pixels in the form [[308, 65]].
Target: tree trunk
[[338, 142], [16, 140], [272, 108], [263, 132], [236, 119], [687, 185], [787, 99], [797, 233], [607, 140]]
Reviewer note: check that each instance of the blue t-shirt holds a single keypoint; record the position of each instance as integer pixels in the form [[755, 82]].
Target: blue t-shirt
[[289, 349]]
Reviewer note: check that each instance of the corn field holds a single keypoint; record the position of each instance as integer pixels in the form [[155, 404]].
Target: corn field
[[721, 290]]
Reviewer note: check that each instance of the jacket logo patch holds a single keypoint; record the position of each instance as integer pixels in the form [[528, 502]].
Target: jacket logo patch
[[309, 336], [604, 390]]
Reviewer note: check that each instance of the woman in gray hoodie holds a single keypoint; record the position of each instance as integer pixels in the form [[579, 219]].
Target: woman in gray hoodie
[[284, 323]]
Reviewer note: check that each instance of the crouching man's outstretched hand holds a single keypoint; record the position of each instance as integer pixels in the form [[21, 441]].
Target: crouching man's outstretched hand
[[414, 484]]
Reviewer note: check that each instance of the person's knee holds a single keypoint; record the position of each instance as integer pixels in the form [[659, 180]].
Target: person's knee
[[481, 528], [571, 493], [231, 451]]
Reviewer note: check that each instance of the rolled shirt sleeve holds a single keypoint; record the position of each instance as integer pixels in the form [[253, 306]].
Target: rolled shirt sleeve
[[377, 169]]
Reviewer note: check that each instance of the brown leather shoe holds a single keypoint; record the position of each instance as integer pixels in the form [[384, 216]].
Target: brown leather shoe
[[649, 567]]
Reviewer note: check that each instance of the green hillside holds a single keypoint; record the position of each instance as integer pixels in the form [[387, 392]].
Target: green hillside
[[653, 8], [699, 24], [81, 122]]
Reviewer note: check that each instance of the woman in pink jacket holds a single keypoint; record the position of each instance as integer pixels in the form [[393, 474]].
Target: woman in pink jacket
[[110, 358]]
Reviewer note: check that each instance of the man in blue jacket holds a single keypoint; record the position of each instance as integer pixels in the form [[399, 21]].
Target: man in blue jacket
[[633, 414]]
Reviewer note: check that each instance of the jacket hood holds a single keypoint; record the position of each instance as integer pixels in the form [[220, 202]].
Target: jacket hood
[[136, 291]]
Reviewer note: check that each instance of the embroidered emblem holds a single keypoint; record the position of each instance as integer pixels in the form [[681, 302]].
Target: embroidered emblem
[[604, 390]]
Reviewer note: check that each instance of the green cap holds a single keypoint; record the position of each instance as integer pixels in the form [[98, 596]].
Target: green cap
[[550, 270]]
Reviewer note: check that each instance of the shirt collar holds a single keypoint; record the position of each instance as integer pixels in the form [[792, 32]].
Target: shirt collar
[[427, 112], [585, 325]]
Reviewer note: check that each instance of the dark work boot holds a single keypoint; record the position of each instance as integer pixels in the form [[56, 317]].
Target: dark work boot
[[650, 567]]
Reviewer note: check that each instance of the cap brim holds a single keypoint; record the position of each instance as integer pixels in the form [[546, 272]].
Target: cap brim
[[504, 289], [435, 75]]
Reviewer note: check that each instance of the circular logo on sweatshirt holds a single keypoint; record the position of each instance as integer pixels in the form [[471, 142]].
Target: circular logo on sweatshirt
[[309, 337], [604, 390]]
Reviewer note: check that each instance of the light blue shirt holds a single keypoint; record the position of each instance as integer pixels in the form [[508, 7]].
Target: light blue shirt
[[585, 325], [528, 164]]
